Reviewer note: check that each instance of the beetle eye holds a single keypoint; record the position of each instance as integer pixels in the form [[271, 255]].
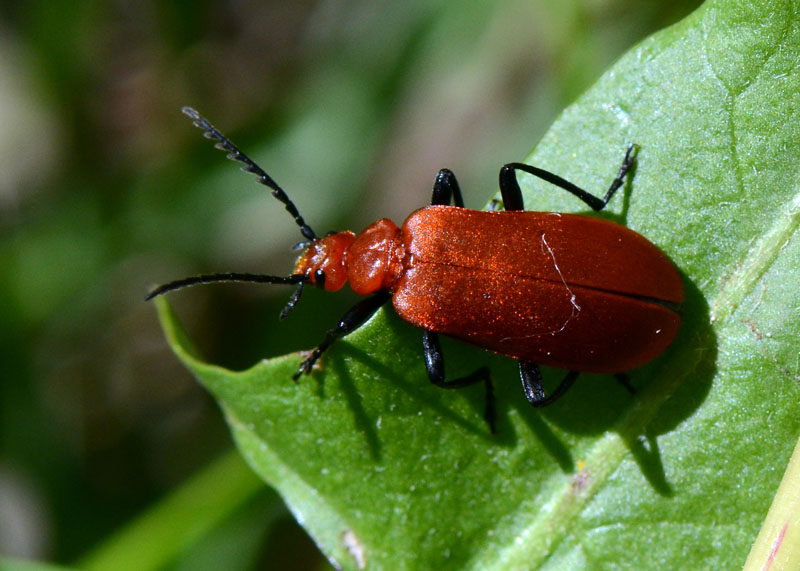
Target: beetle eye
[[301, 245]]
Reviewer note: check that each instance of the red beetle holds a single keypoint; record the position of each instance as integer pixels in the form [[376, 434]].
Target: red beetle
[[562, 290]]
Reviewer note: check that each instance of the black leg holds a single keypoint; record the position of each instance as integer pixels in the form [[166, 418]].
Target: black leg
[[351, 320], [446, 189], [509, 188], [434, 363], [531, 378], [512, 196]]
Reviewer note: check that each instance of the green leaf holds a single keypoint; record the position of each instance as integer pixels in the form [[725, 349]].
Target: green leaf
[[387, 471], [174, 525], [14, 564]]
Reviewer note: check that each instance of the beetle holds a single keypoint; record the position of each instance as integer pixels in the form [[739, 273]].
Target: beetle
[[563, 290]]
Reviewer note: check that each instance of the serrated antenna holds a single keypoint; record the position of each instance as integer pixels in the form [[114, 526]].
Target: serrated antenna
[[224, 144]]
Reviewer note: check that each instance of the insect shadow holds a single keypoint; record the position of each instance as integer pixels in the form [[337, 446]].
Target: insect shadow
[[667, 392]]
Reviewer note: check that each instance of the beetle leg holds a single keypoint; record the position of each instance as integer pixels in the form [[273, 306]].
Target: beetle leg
[[351, 320], [531, 378], [512, 195], [434, 363], [509, 188], [446, 189]]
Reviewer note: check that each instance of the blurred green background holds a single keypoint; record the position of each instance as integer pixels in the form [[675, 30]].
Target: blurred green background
[[106, 189]]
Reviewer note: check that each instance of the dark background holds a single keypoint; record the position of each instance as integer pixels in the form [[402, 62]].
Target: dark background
[[106, 189]]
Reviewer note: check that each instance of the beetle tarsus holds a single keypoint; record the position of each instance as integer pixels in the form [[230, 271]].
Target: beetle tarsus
[[532, 386], [627, 163], [307, 365]]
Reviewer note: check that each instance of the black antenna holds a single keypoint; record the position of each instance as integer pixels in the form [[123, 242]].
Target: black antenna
[[230, 277], [224, 144]]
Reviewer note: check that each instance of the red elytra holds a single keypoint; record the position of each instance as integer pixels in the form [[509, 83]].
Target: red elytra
[[564, 290]]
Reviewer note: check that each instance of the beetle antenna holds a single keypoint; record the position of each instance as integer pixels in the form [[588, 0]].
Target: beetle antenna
[[224, 144], [228, 277]]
